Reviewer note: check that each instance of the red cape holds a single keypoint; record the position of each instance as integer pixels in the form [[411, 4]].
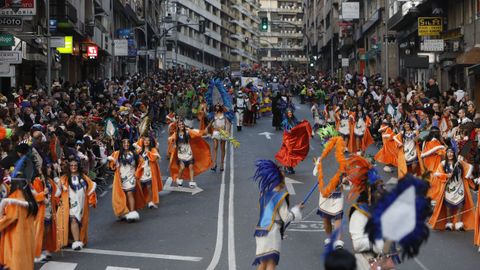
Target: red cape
[[295, 145]]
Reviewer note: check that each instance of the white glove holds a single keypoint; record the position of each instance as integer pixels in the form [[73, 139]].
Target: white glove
[[477, 181]]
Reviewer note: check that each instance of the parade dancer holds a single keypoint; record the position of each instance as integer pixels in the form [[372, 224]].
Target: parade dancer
[[408, 157], [274, 214], [151, 178], [17, 216], [221, 124], [127, 195], [453, 202], [476, 236], [295, 143], [360, 137], [388, 153], [432, 153], [318, 117], [46, 194], [191, 152], [77, 195], [344, 122]]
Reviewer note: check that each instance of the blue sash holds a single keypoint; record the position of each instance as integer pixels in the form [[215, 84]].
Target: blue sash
[[269, 203]]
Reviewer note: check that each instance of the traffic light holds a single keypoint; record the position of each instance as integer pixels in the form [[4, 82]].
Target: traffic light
[[264, 24], [201, 27], [57, 56]]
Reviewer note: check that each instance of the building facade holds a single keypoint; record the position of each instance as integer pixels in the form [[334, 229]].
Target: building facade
[[283, 42]]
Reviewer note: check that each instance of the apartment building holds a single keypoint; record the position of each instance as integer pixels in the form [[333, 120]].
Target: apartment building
[[283, 43]]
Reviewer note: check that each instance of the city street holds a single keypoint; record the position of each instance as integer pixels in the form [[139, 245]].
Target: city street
[[213, 229]]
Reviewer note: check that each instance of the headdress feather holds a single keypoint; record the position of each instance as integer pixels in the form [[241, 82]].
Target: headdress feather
[[268, 175]]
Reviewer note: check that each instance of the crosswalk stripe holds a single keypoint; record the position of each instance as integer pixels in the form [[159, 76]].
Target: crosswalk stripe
[[59, 266], [137, 254], [120, 268]]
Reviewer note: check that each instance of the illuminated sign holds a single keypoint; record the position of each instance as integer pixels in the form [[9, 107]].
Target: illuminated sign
[[92, 51], [68, 49]]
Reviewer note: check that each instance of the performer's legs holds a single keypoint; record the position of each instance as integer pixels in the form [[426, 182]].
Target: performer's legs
[[130, 200], [180, 170], [148, 190], [358, 143], [215, 149], [346, 139], [190, 168], [459, 216], [75, 229], [327, 223], [449, 225], [222, 149]]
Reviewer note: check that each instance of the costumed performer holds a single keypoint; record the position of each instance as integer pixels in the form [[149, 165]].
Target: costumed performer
[[17, 217], [388, 153], [344, 125], [408, 151], [239, 108], [127, 195], [295, 142], [453, 201], [190, 151], [432, 154], [274, 214], [46, 194], [476, 236], [221, 124], [331, 198], [360, 137], [150, 178], [367, 187], [77, 195]]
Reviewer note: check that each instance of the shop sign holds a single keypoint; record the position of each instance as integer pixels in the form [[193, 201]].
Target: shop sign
[[120, 47], [11, 23], [430, 26], [11, 57], [68, 49], [92, 51], [18, 8], [432, 45], [6, 40]]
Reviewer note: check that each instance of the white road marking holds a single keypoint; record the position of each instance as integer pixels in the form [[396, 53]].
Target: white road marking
[[103, 193], [168, 187], [232, 260], [268, 135], [289, 184], [420, 264], [219, 243], [137, 254], [120, 268], [306, 226], [58, 266]]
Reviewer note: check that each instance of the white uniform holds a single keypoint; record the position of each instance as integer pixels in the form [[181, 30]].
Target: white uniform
[[361, 244], [360, 127], [219, 123], [127, 173], [344, 128], [240, 108], [147, 171], [77, 194]]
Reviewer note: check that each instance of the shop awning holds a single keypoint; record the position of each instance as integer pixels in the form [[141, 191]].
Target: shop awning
[[471, 57]]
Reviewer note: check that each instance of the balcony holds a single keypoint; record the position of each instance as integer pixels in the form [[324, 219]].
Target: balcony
[[101, 6], [63, 11]]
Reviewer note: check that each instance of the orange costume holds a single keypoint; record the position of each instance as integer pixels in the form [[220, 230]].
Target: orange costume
[[401, 159], [367, 139], [438, 218], [432, 154], [476, 237], [388, 153], [119, 198], [51, 237], [63, 211], [200, 151], [157, 184], [17, 242]]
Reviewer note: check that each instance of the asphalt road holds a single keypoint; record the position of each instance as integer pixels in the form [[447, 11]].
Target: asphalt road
[[214, 229]]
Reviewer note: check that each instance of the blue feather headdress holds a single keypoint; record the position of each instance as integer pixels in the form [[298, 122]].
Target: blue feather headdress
[[401, 215], [268, 175], [18, 166], [226, 99]]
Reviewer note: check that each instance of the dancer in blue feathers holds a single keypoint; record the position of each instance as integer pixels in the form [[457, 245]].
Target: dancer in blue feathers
[[274, 214]]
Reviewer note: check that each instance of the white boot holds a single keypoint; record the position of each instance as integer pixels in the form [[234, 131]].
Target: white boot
[[338, 244], [459, 226], [151, 205], [192, 184], [47, 254], [449, 226], [40, 259], [387, 169], [77, 245], [133, 216], [179, 182]]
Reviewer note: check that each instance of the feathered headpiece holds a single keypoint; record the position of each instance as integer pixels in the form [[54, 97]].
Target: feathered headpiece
[[326, 133], [268, 175], [361, 173], [401, 215], [226, 99]]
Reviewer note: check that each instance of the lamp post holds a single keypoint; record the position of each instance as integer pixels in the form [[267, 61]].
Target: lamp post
[[49, 50]]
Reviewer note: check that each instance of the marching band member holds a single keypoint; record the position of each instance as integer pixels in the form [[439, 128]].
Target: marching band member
[[453, 200], [388, 153], [220, 124], [17, 217], [274, 214], [408, 157], [191, 152], [127, 196], [150, 178], [77, 195]]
